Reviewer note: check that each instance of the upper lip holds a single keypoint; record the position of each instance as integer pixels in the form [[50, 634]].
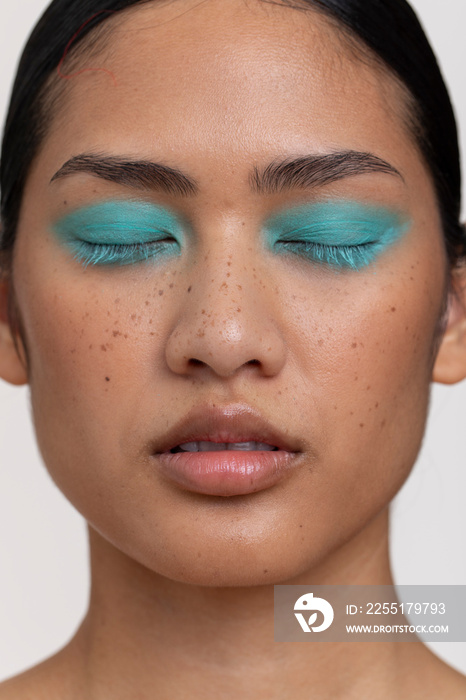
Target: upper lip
[[229, 423]]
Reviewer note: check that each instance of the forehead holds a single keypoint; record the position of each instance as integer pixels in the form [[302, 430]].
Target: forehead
[[233, 78]]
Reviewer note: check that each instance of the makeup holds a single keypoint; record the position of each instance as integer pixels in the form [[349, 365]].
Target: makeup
[[228, 450], [341, 234], [120, 232]]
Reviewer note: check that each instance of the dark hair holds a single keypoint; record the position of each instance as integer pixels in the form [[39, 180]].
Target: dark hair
[[389, 28]]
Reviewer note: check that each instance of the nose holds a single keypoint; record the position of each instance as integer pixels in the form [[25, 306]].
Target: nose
[[229, 320]]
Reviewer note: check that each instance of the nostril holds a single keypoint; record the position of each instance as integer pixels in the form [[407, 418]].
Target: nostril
[[253, 362], [194, 362]]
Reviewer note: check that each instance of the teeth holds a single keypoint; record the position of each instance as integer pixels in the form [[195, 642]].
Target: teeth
[[204, 446], [249, 446], [211, 446], [189, 447]]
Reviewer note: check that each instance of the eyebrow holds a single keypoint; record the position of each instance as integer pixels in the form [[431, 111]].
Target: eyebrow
[[309, 171], [317, 170], [140, 174]]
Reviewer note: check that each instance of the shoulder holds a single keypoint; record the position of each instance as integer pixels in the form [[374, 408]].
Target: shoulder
[[53, 679], [37, 683], [430, 678]]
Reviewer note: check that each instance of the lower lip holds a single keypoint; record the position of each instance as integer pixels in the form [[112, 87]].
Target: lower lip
[[226, 472]]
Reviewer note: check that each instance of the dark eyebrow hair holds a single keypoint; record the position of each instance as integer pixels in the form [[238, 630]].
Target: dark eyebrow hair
[[141, 174], [316, 170]]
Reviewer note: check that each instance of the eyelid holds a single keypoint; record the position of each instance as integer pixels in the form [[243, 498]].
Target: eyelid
[[341, 234], [337, 222], [116, 222]]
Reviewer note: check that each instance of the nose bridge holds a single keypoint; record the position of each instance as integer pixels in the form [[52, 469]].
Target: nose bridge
[[228, 319]]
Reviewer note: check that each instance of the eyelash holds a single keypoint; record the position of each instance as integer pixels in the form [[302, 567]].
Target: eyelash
[[345, 256], [119, 253]]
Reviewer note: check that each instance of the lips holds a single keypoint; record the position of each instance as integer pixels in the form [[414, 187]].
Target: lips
[[204, 446], [232, 424], [225, 451]]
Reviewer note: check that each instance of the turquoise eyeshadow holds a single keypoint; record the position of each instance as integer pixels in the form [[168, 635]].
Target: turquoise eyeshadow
[[339, 233], [120, 232]]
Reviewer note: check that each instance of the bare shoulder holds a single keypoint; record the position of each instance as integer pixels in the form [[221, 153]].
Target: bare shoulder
[[53, 679], [33, 683], [430, 678]]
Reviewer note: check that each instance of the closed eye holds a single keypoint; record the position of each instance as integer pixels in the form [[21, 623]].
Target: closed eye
[[122, 253], [338, 256]]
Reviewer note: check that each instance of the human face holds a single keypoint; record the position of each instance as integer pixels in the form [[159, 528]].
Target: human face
[[226, 330]]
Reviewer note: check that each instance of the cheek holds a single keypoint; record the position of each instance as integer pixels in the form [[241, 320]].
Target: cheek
[[95, 345], [365, 365]]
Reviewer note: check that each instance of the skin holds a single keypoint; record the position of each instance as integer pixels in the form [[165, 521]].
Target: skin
[[182, 584]]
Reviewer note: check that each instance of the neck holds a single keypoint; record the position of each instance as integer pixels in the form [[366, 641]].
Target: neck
[[146, 632]]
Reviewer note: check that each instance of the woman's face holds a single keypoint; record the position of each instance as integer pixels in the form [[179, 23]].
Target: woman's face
[[309, 301]]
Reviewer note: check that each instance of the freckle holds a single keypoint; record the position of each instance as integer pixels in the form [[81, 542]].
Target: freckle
[[356, 378], [239, 287], [320, 342], [116, 334], [377, 405], [229, 264], [152, 333], [90, 347], [228, 274], [171, 285], [335, 408], [147, 303], [73, 351], [117, 301], [265, 571], [107, 379], [199, 555], [351, 413], [393, 309], [354, 346], [103, 348], [160, 292], [133, 317], [279, 393], [369, 388], [200, 333], [361, 425], [65, 202], [383, 423], [300, 526], [238, 309], [189, 289]]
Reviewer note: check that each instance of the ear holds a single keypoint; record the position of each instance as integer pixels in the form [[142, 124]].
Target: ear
[[12, 366], [450, 365]]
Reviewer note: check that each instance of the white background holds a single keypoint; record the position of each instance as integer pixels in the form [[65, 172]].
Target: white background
[[43, 550]]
